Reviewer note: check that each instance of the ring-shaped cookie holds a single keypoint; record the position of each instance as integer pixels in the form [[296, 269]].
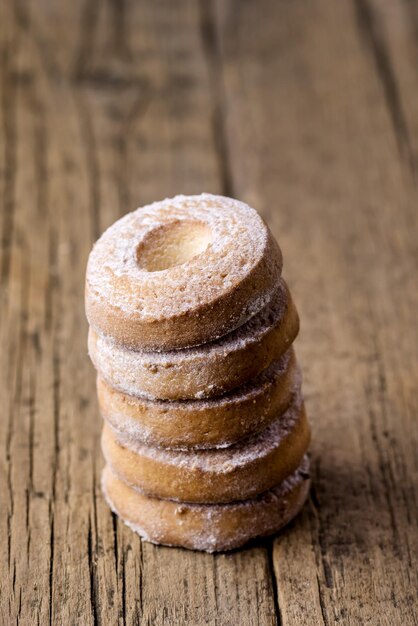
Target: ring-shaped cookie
[[209, 527], [212, 476], [204, 371], [180, 272], [199, 424]]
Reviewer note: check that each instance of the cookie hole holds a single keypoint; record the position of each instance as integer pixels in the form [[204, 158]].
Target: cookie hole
[[172, 244]]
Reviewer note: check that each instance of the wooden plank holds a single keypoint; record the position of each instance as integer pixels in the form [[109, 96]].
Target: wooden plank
[[104, 106], [390, 32], [313, 143]]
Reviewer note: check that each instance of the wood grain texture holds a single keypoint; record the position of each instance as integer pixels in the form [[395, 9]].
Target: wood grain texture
[[308, 110], [319, 139], [105, 106]]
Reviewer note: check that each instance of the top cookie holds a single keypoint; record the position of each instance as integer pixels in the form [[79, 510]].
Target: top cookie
[[181, 272]]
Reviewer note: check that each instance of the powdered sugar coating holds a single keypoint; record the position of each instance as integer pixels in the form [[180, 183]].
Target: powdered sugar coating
[[129, 302], [150, 293], [202, 371]]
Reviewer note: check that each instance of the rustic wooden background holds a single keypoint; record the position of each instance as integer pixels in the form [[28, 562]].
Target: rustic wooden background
[[309, 111]]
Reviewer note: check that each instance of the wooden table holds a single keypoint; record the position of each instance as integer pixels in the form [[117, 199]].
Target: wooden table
[[308, 110]]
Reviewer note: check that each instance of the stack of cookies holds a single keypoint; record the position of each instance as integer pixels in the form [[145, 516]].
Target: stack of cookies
[[191, 331]]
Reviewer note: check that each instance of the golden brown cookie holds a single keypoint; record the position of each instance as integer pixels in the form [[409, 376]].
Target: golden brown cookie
[[203, 371], [212, 476], [214, 423], [209, 527], [181, 272]]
